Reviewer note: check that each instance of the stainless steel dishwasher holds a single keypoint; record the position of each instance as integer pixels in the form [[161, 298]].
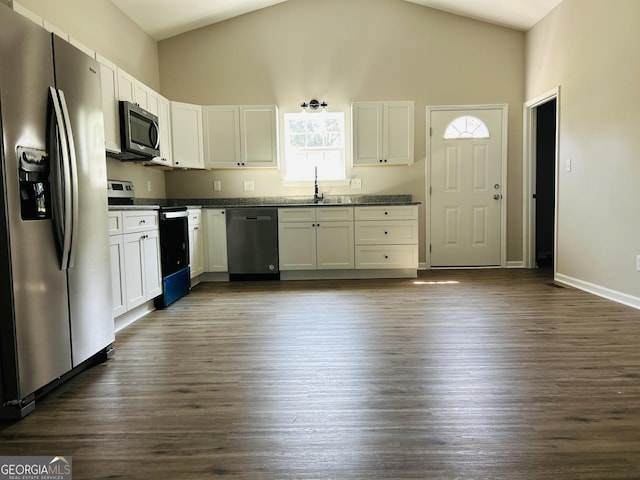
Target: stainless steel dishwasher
[[252, 243]]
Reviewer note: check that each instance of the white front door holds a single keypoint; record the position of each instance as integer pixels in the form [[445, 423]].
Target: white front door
[[466, 187]]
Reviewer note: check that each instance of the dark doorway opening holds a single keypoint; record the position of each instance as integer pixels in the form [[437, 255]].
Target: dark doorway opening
[[545, 192]]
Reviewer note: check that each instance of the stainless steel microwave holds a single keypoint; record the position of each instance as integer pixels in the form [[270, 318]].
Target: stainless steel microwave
[[139, 135]]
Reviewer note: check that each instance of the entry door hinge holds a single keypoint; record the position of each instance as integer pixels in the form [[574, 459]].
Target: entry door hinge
[[430, 131], [430, 190], [429, 248]]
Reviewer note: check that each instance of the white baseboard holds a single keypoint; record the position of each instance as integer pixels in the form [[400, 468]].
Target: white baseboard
[[598, 290], [358, 274], [515, 264], [133, 315]]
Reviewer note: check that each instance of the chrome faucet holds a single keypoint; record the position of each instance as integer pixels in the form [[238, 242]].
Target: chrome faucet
[[316, 197]]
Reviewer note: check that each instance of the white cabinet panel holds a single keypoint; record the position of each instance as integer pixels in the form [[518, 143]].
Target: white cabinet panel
[[297, 246], [126, 87], [164, 125], [196, 243], [187, 135], [386, 256], [383, 133], [334, 245], [135, 258], [118, 287], [241, 136], [221, 135], [216, 240], [386, 237], [134, 270], [316, 238], [380, 232], [259, 135], [109, 76], [152, 266]]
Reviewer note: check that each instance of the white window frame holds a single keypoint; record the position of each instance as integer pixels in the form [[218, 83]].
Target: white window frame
[[343, 149]]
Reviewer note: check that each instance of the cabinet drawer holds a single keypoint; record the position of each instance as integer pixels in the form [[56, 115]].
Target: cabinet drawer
[[383, 233], [386, 256], [393, 212], [114, 220], [297, 214], [331, 214], [139, 221], [195, 216]]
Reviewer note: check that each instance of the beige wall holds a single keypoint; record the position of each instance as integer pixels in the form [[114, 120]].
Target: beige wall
[[343, 51], [103, 27], [590, 48]]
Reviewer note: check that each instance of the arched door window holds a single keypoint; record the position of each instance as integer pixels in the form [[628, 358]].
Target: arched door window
[[466, 127]]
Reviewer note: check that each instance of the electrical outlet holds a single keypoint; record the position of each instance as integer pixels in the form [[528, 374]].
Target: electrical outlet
[[248, 185], [567, 165], [148, 185], [356, 183], [637, 263], [217, 186]]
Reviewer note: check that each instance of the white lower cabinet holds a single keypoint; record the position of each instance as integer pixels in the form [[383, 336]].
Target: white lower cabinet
[[142, 267], [196, 243], [216, 239], [118, 287], [135, 259], [386, 237], [315, 238]]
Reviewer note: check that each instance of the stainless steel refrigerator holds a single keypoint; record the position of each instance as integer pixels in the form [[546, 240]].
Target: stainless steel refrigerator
[[55, 287]]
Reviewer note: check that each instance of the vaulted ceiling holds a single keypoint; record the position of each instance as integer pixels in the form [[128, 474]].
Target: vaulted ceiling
[[165, 18]]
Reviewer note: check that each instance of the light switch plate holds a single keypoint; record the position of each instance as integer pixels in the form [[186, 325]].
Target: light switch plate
[[217, 186], [567, 165]]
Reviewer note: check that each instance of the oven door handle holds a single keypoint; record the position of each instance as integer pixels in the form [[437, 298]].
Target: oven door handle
[[171, 215]]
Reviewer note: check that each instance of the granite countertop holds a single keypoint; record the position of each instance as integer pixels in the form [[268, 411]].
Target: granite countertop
[[329, 201], [115, 208]]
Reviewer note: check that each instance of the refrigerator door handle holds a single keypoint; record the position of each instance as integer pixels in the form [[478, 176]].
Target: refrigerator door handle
[[61, 179], [73, 168]]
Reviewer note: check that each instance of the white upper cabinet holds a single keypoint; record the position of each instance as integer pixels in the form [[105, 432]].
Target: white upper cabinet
[[383, 133], [186, 135], [164, 125], [241, 136], [126, 87], [132, 90], [109, 75], [259, 135], [221, 135]]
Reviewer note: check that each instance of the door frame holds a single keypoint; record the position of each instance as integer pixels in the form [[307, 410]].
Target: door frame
[[427, 176], [529, 178]]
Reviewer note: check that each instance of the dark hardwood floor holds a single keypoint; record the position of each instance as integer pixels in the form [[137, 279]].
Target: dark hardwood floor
[[486, 374]]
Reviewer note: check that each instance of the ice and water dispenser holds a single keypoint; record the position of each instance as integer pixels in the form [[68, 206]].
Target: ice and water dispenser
[[35, 185]]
